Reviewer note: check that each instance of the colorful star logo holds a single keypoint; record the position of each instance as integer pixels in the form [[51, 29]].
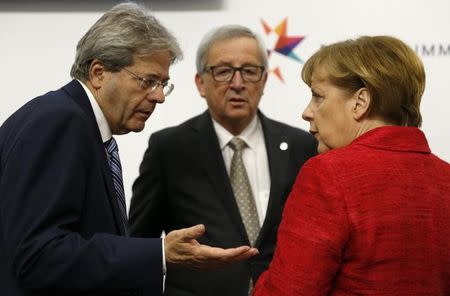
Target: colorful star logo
[[283, 44]]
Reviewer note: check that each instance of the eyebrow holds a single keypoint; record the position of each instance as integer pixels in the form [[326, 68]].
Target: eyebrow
[[156, 77]]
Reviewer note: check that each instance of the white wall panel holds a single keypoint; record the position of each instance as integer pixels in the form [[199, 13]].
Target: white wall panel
[[37, 50]]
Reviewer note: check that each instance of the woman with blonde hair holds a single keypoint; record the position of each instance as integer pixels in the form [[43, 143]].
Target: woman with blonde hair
[[370, 215]]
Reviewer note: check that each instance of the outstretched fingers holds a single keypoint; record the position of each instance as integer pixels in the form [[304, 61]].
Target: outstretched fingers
[[212, 257], [183, 250]]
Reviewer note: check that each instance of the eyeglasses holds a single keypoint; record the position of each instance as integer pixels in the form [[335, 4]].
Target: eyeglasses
[[152, 84], [226, 73]]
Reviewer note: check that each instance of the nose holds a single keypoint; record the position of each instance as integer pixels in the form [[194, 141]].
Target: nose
[[236, 80], [157, 95], [307, 114]]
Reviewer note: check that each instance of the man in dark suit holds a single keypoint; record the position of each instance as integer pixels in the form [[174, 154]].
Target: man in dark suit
[[63, 222], [184, 176]]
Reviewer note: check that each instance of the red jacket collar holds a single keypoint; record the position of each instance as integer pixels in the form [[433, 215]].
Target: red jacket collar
[[395, 138]]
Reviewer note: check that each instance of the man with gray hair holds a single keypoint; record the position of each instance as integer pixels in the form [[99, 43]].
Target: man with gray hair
[[63, 221], [230, 168]]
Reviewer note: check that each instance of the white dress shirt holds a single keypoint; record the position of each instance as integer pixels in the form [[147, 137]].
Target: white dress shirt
[[255, 160], [103, 126], [106, 134]]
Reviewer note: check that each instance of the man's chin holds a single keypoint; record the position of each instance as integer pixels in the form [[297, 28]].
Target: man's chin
[[136, 127], [240, 113]]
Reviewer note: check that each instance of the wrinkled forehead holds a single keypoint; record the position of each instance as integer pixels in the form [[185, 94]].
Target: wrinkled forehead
[[234, 48]]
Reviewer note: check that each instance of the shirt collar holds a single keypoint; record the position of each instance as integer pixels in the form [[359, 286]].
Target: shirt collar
[[103, 126], [249, 134]]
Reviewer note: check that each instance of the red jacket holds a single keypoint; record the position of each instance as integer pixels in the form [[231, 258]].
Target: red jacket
[[372, 218]]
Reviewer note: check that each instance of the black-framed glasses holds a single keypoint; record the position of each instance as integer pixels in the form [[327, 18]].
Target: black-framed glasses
[[225, 73], [152, 84]]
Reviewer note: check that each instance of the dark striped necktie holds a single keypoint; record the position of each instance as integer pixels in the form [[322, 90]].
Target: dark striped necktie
[[116, 172]]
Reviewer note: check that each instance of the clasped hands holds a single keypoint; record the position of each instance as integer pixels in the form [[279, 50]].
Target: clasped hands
[[182, 249]]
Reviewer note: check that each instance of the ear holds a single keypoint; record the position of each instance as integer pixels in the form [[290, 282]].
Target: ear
[[362, 101], [265, 78], [200, 84], [96, 73]]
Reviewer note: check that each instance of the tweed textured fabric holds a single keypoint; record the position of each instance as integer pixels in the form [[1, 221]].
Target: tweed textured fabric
[[371, 218]]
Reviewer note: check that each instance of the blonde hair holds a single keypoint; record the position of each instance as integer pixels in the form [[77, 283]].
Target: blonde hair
[[386, 66]]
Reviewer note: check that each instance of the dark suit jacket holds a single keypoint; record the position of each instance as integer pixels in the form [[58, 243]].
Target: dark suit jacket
[[372, 218], [59, 222], [183, 181]]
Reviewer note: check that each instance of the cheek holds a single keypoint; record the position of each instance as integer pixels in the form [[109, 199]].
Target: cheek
[[326, 126], [255, 99], [130, 107], [216, 89], [219, 95], [334, 131], [215, 96], [328, 117], [256, 93], [214, 103]]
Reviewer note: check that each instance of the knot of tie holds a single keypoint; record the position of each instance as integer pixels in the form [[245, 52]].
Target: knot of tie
[[237, 144], [111, 145]]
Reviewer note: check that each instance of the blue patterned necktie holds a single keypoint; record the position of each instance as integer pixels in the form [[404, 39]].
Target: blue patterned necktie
[[116, 172]]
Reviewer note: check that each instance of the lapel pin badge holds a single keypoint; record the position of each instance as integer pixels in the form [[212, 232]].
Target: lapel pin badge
[[283, 146]]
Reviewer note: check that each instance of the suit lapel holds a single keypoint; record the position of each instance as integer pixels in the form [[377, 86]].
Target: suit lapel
[[78, 94], [210, 156], [278, 162]]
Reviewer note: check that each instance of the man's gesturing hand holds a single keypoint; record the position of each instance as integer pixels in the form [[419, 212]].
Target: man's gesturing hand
[[182, 249]]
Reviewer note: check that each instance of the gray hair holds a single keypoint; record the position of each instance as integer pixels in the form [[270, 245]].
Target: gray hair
[[225, 33], [125, 30]]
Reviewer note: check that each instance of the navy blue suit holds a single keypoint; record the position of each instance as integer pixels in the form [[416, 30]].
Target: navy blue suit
[[60, 227]]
